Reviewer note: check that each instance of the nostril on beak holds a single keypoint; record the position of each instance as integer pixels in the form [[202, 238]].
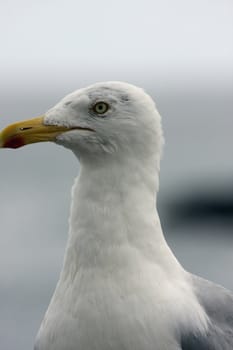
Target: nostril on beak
[[26, 128]]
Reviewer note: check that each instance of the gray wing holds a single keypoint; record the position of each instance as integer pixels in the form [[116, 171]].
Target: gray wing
[[218, 304]]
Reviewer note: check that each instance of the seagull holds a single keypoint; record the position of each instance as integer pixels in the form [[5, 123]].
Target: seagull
[[120, 287]]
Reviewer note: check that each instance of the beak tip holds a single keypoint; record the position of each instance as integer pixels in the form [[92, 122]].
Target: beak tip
[[1, 140], [12, 142]]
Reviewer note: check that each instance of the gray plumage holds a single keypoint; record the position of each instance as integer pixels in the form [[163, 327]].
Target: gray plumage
[[218, 305]]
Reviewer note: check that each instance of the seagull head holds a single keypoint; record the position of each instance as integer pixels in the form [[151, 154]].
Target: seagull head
[[102, 121]]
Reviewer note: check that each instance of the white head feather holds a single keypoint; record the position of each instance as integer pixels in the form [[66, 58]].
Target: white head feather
[[131, 127]]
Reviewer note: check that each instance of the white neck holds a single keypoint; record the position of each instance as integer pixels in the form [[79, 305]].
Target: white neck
[[118, 260], [114, 218]]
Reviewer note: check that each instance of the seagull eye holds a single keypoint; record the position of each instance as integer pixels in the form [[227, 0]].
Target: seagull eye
[[100, 107]]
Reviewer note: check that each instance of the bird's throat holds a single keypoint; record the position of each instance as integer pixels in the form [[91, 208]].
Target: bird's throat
[[114, 222]]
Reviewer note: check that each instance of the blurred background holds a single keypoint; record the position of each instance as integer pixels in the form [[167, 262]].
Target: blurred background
[[180, 52]]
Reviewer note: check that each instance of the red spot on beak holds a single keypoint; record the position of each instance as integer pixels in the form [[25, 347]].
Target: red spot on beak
[[14, 142]]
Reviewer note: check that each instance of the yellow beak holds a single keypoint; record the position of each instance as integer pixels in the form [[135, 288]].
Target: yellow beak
[[30, 131]]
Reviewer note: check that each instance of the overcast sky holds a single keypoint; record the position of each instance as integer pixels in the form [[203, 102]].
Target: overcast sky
[[50, 38]]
